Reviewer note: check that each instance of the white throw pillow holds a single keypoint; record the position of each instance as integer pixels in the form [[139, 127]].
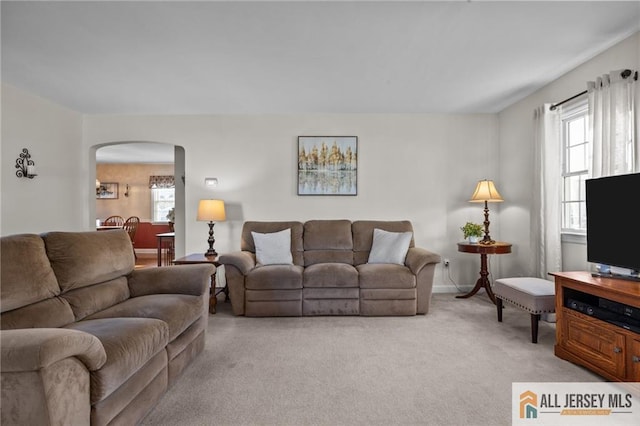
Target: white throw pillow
[[273, 248], [389, 247]]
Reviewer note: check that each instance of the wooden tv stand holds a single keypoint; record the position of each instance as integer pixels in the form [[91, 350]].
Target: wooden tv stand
[[606, 349]]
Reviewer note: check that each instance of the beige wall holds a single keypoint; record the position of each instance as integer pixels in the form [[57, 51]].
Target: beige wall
[[56, 199], [516, 152], [138, 203], [420, 167]]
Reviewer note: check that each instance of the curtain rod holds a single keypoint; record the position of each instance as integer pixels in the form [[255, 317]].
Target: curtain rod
[[623, 74]]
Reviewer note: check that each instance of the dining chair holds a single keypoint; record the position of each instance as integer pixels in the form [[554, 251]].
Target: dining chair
[[131, 226], [114, 221]]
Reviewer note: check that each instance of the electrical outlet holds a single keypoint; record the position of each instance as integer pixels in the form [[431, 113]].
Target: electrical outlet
[[446, 263]]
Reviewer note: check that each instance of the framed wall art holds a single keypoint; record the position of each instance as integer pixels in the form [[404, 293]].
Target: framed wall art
[[327, 165], [107, 191]]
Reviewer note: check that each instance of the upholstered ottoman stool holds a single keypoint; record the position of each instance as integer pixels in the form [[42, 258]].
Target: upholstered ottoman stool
[[534, 295]]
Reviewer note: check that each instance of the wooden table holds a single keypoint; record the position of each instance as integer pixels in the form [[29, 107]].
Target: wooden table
[[107, 227], [196, 258], [165, 240], [484, 250]]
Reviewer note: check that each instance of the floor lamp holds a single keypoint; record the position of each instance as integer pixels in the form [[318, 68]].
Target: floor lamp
[[210, 211], [486, 192]]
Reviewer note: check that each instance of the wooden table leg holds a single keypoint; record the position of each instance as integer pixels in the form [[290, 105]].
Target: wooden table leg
[[159, 251], [213, 300], [483, 281]]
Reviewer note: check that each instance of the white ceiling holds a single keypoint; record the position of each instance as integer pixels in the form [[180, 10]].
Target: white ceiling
[[301, 57]]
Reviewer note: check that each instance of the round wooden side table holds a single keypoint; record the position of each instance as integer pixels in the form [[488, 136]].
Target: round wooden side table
[[483, 249]]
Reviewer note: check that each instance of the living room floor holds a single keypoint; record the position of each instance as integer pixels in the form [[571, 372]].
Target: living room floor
[[145, 260]]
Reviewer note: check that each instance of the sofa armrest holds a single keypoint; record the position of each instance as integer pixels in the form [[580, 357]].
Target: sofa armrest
[[46, 375], [183, 279], [245, 261], [417, 258], [36, 348]]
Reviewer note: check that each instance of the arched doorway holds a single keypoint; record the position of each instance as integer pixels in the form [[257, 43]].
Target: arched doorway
[[128, 165]]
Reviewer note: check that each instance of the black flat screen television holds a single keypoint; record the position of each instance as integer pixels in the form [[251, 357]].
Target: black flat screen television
[[613, 230]]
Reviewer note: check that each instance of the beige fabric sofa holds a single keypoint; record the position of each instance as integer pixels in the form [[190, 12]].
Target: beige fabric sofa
[[330, 273], [87, 338]]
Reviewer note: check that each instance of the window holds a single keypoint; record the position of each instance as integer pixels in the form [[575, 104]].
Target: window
[[162, 200], [576, 166]]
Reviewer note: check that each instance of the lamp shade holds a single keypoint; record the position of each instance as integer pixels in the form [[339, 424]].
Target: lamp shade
[[211, 210], [486, 191]]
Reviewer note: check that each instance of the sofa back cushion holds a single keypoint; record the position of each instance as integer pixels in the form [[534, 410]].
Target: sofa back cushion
[[328, 241], [247, 244], [97, 259], [363, 235], [29, 290]]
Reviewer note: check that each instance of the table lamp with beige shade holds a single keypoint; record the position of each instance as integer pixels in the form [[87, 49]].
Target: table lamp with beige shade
[[486, 192], [211, 211]]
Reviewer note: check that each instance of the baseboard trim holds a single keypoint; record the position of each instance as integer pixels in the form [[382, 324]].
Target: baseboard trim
[[450, 288], [146, 251]]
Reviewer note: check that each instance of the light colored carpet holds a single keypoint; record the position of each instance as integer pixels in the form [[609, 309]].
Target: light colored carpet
[[453, 366]]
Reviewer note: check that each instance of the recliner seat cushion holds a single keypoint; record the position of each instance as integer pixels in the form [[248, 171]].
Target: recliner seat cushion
[[275, 277], [385, 275], [178, 311], [330, 275], [129, 343]]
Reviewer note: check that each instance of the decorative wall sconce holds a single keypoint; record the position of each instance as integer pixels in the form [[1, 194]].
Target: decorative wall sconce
[[211, 182], [126, 190], [25, 165]]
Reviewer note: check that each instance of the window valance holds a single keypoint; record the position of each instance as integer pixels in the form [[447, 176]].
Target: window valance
[[161, 182]]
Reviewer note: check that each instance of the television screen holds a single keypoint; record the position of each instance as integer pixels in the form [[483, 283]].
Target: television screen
[[612, 221]]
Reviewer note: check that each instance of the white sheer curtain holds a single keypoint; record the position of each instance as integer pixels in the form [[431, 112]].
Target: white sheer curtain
[[611, 125], [545, 214]]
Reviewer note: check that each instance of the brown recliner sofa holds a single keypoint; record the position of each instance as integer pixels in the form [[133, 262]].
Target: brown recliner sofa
[[88, 339], [330, 273]]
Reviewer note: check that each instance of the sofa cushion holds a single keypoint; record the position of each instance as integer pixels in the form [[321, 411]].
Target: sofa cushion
[[328, 235], [129, 343], [247, 244], [328, 241], [273, 248], [275, 277], [178, 311], [330, 275], [54, 312], [88, 300], [26, 274], [385, 275], [389, 247], [363, 235], [80, 259]]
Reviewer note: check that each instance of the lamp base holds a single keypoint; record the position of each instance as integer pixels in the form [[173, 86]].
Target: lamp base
[[211, 240], [486, 240]]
